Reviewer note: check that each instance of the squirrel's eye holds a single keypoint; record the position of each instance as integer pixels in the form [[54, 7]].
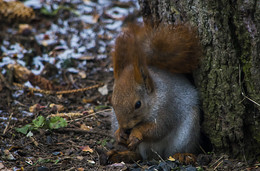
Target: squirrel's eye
[[137, 104]]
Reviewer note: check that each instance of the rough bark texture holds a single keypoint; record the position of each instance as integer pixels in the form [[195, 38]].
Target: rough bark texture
[[229, 76]]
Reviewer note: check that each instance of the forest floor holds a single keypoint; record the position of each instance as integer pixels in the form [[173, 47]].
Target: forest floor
[[67, 46]]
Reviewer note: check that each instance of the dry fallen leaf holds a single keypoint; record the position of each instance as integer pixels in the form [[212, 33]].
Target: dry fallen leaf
[[85, 127], [36, 107], [58, 106], [45, 43], [20, 73], [95, 18], [80, 157], [59, 96], [80, 169], [87, 149], [24, 29], [82, 74], [90, 111], [91, 161], [171, 158], [87, 100], [103, 90]]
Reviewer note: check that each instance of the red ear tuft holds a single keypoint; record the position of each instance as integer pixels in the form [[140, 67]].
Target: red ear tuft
[[121, 54], [129, 50]]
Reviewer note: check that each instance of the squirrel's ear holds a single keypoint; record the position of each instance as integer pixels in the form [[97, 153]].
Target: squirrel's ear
[[147, 80], [141, 74]]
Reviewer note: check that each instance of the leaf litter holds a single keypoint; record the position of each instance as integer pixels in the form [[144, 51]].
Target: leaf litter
[[47, 63]]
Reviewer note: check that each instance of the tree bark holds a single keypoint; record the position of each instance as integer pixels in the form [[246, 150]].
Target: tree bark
[[229, 76]]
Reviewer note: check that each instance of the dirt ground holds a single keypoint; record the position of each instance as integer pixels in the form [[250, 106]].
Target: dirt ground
[[69, 44]]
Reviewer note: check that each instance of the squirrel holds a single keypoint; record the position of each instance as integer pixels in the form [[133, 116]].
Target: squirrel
[[156, 108]]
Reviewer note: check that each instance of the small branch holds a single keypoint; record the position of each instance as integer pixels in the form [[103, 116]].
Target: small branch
[[157, 155], [7, 125], [242, 91], [202, 150], [250, 99], [217, 161], [81, 131], [93, 114], [58, 92]]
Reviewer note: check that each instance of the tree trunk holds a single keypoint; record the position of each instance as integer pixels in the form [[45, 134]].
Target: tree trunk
[[229, 76]]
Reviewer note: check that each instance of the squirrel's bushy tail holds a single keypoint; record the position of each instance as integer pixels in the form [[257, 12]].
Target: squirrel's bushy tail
[[173, 48]]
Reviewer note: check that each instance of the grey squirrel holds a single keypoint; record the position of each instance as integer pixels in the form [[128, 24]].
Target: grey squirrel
[[156, 108]]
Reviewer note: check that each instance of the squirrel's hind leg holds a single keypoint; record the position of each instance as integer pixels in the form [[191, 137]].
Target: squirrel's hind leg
[[125, 156], [185, 158]]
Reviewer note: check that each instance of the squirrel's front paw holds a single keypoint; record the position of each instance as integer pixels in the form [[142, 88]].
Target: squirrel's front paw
[[135, 139], [121, 136]]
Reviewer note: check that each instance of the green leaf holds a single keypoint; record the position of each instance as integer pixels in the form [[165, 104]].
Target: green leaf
[[57, 122], [101, 107], [24, 129], [42, 160], [103, 142], [39, 122], [56, 161], [47, 12]]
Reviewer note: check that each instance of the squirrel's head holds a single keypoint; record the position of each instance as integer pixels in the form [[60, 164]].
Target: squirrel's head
[[131, 98], [133, 85]]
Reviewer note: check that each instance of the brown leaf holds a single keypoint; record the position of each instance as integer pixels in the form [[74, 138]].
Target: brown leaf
[[80, 157], [87, 100], [57, 106], [85, 127], [86, 149], [95, 18], [20, 73], [43, 83], [25, 29], [36, 107]]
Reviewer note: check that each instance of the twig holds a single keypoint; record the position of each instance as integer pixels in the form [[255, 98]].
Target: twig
[[34, 141], [7, 125], [242, 91], [76, 130], [58, 92], [93, 114], [217, 161], [139, 165], [70, 115], [215, 168], [250, 99], [158, 155], [202, 150]]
